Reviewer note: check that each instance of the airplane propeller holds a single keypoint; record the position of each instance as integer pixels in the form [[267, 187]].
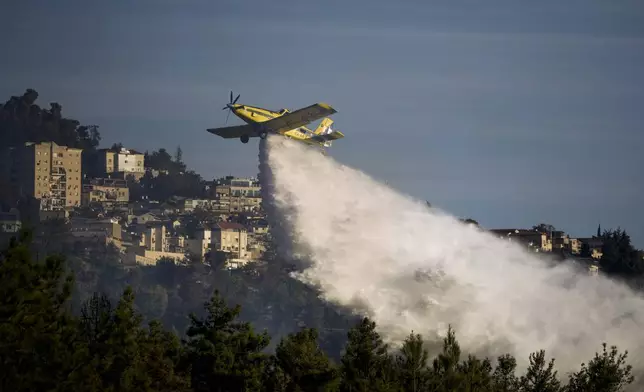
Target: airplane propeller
[[230, 104]]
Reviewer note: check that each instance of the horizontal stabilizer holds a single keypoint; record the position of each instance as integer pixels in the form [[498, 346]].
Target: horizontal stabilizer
[[328, 137]]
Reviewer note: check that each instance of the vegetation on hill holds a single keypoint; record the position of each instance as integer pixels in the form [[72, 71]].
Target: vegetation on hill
[[106, 347], [619, 257], [172, 179], [22, 120]]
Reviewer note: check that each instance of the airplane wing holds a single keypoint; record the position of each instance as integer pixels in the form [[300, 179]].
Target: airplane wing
[[234, 131], [299, 117]]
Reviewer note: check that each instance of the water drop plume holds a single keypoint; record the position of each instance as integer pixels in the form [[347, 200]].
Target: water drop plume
[[374, 250]]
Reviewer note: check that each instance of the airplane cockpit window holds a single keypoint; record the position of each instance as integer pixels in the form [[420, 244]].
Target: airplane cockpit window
[[282, 111]]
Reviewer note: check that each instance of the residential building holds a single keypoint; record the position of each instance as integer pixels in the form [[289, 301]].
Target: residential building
[[46, 171], [575, 246], [535, 240], [560, 240], [190, 205], [104, 231], [143, 218], [238, 194], [121, 163], [231, 238], [154, 243], [201, 244], [153, 238], [10, 221], [107, 191]]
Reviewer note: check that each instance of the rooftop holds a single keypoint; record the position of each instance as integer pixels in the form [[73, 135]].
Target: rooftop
[[229, 226]]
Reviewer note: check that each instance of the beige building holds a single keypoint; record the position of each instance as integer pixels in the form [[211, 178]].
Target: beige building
[[226, 238], [575, 246], [104, 231], [48, 172], [154, 244], [153, 238], [201, 244], [122, 163], [238, 194], [533, 239], [231, 238], [105, 191]]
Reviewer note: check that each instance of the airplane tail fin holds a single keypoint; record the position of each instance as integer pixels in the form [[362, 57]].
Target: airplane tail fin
[[324, 127]]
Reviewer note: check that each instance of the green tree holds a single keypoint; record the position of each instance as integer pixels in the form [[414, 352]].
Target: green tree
[[503, 378], [22, 120], [122, 362], [366, 365], [445, 365], [411, 365], [619, 257], [607, 372], [161, 353], [305, 365], [225, 355], [544, 228], [36, 329], [540, 376], [178, 157], [470, 221], [476, 374]]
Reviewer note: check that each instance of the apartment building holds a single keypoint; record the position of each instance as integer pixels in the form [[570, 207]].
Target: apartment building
[[238, 194], [47, 172], [531, 238], [231, 238], [121, 163], [107, 191]]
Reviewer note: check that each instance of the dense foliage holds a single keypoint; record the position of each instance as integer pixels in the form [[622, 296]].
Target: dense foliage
[[44, 346], [22, 120], [619, 257]]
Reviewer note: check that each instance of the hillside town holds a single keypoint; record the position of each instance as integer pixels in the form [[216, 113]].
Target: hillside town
[[226, 225]]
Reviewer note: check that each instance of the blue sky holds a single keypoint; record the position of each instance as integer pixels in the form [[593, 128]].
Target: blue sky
[[510, 112]]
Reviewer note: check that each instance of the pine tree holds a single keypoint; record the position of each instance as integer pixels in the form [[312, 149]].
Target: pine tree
[[607, 372], [161, 353], [366, 365], [476, 374], [304, 363], [445, 369], [411, 365], [503, 378], [36, 329], [225, 355], [540, 377]]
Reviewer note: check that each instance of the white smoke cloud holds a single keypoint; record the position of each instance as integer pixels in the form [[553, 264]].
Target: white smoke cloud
[[410, 268]]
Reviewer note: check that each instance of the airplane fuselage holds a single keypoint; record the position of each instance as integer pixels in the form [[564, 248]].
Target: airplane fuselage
[[257, 115]]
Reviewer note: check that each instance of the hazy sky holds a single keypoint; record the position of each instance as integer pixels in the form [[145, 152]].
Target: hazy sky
[[509, 112]]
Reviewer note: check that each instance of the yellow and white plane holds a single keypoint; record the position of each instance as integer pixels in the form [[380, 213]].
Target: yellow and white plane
[[260, 122]]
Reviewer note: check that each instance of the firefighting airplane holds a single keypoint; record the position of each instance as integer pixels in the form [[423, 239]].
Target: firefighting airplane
[[260, 122]]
